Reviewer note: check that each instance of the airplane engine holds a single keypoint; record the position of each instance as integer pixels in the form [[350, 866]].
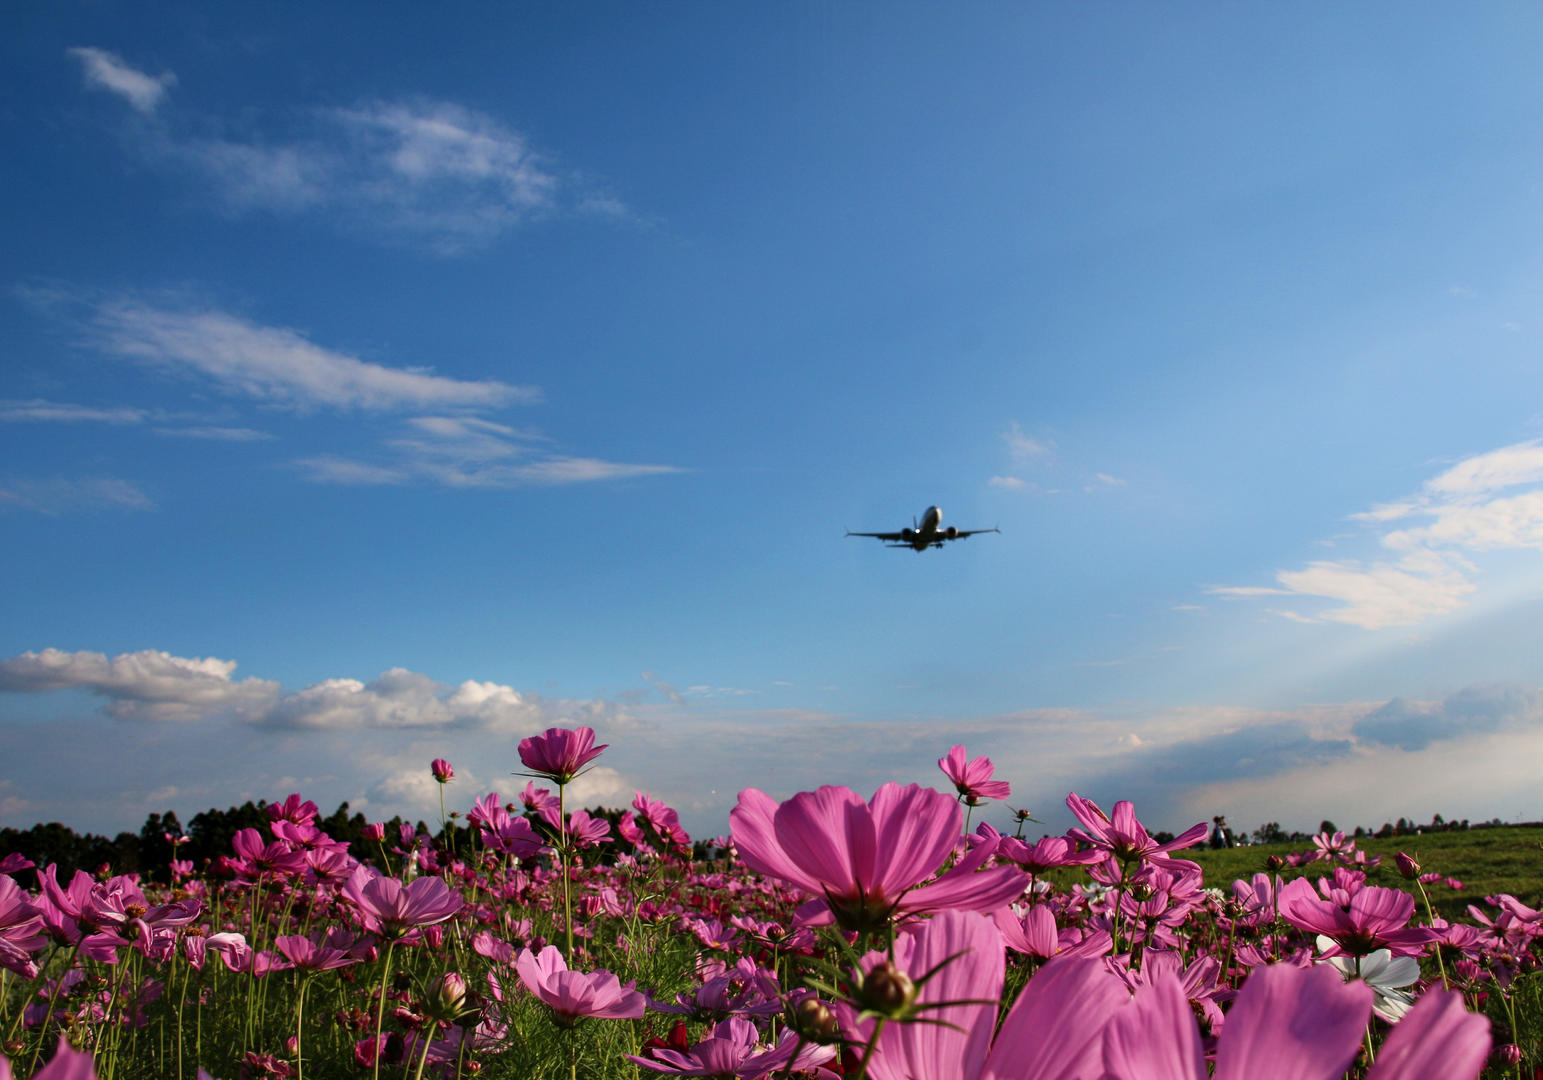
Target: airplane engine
[[951, 532], [906, 535]]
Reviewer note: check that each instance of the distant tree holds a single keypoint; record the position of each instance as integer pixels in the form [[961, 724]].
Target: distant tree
[[1271, 833], [1360, 831], [213, 830], [1164, 837], [1327, 826]]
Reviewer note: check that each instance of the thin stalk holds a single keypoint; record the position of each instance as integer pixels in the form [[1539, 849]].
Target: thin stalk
[[428, 1040], [380, 1009], [53, 1001], [562, 858], [187, 973], [300, 1027], [873, 1044], [1430, 918]]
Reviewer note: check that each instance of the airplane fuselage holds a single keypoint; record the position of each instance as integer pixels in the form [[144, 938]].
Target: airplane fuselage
[[928, 532]]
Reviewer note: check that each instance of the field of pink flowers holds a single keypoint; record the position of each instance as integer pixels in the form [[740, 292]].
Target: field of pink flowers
[[831, 935]]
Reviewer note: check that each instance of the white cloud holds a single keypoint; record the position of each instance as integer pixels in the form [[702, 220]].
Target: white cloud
[[220, 434], [1025, 448], [61, 494], [1429, 574], [468, 452], [1245, 590], [600, 782], [1521, 463], [1012, 483], [280, 366], [107, 71], [1383, 594], [1101, 481], [39, 410], [427, 172], [145, 685], [152, 685]]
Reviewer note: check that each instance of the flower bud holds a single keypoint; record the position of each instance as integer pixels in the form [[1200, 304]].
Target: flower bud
[[449, 995], [1274, 863], [1509, 1054], [886, 989], [442, 770], [815, 1021], [375, 830], [1407, 866]]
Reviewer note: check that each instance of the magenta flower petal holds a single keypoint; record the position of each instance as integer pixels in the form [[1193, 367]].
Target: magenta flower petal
[[933, 1051], [1438, 1039], [1155, 1037], [1055, 1029], [1293, 1023], [559, 753]]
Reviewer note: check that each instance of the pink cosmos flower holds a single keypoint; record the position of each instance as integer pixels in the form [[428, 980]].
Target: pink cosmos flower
[[973, 778], [502, 832], [866, 859], [1034, 933], [584, 831], [1302, 1023], [294, 809], [734, 1049], [442, 770], [1370, 919], [560, 754], [1124, 837], [309, 955], [573, 995], [389, 908], [68, 1063], [1048, 853]]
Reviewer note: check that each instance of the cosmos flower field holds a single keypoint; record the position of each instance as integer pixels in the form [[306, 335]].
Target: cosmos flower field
[[832, 934]]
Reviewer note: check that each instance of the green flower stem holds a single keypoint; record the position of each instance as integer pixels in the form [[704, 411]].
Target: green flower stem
[[1430, 918], [562, 859], [868, 1051], [380, 1009]]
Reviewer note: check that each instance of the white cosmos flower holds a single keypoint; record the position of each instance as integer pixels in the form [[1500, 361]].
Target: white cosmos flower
[[1386, 974]]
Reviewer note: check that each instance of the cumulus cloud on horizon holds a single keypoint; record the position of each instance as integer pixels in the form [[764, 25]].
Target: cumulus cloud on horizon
[[699, 756], [151, 685]]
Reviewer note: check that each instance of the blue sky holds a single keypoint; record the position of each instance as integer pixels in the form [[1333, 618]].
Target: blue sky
[[380, 388]]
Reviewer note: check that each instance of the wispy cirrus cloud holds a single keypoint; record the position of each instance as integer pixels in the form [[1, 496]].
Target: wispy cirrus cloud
[[217, 434], [434, 173], [1427, 570], [470, 452], [104, 70], [68, 494], [38, 410], [279, 366]]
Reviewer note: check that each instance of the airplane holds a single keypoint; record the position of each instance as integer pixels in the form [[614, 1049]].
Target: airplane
[[925, 535]]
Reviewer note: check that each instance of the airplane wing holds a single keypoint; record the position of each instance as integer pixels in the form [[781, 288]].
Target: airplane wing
[[891, 537], [962, 533]]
